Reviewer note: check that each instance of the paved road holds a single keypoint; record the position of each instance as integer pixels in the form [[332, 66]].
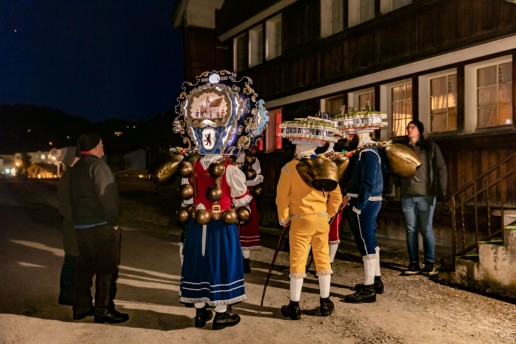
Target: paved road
[[413, 309]]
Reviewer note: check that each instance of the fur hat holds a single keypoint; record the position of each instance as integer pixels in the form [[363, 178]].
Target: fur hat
[[88, 141], [419, 126]]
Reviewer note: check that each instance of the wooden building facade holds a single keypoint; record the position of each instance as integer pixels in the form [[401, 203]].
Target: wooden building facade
[[449, 63]]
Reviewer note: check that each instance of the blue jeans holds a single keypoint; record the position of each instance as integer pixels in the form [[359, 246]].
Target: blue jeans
[[419, 214]]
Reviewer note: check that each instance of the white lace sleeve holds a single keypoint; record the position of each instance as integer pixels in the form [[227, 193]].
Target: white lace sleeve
[[236, 181]]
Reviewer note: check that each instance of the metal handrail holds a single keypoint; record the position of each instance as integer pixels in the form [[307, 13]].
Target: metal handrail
[[462, 199]]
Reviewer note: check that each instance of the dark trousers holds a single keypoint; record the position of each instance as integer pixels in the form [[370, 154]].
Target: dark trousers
[[99, 256], [363, 227], [67, 280]]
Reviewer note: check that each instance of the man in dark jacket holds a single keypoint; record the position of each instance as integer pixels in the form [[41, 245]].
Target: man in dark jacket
[[418, 196], [95, 215]]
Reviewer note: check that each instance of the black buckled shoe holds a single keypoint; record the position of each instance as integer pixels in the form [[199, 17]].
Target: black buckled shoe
[[202, 315], [327, 307], [364, 295], [225, 319], [111, 316], [82, 315], [291, 310], [378, 285]]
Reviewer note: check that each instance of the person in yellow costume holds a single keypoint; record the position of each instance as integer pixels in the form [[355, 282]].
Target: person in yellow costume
[[308, 211]]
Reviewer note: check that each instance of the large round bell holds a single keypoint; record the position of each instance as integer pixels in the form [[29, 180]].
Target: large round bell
[[342, 163], [202, 216], [185, 169], [183, 216], [258, 190], [325, 174], [186, 191], [216, 170], [249, 159], [165, 165], [403, 161], [243, 214], [250, 174], [230, 216], [214, 193]]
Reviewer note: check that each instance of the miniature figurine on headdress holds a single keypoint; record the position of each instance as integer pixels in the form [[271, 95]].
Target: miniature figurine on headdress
[[218, 116], [308, 196]]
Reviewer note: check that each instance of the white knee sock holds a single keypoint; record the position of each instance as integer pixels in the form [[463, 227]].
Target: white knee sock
[[333, 251], [324, 285], [221, 308], [296, 284], [198, 305], [369, 268], [181, 257], [246, 254], [377, 270]]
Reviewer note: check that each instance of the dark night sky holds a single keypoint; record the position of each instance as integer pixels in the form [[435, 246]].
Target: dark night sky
[[95, 59]]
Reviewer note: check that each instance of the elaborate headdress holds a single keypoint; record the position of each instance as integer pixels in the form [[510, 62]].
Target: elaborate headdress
[[219, 114], [309, 131], [354, 121]]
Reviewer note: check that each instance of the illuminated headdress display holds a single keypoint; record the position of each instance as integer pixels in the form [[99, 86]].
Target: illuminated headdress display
[[309, 131], [354, 121], [219, 114]]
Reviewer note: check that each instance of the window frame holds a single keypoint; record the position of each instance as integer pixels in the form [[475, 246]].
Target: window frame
[[424, 108], [327, 10], [272, 50], [470, 94], [256, 41], [386, 104], [236, 54]]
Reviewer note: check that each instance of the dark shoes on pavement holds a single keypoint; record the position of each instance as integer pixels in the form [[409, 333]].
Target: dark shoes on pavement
[[292, 310], [111, 316], [202, 315], [378, 285], [82, 315], [326, 308], [429, 269], [225, 319], [413, 269], [364, 295]]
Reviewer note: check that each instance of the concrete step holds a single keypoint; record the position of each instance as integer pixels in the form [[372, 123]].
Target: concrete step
[[509, 238]]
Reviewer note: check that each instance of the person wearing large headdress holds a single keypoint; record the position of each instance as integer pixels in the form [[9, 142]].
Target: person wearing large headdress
[[213, 190], [364, 197], [250, 230], [308, 196]]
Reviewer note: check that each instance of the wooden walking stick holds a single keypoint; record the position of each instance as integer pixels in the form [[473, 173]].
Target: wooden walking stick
[[280, 241]]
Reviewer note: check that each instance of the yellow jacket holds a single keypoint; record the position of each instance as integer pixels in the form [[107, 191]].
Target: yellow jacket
[[295, 197]]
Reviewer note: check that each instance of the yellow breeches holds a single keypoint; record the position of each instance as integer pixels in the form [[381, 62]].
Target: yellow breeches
[[309, 229]]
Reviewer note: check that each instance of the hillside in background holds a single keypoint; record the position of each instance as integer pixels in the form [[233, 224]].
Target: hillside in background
[[29, 128]]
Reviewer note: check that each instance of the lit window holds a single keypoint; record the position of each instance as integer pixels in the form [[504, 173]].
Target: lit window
[[256, 45], [332, 17], [360, 11], [488, 94], [240, 53], [387, 6], [443, 105], [494, 95], [401, 107], [42, 156], [363, 99], [273, 39], [438, 101]]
